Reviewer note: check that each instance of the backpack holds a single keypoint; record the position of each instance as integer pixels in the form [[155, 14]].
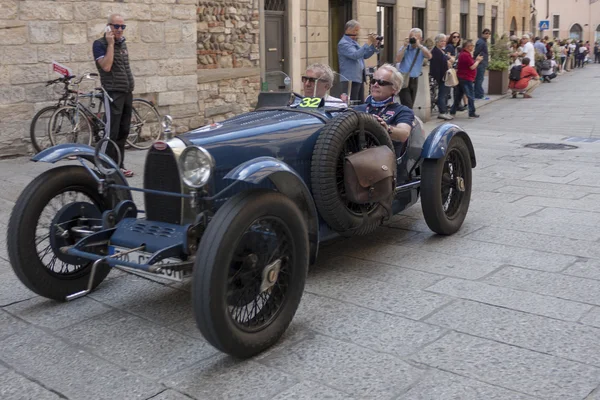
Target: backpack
[[546, 65], [515, 73]]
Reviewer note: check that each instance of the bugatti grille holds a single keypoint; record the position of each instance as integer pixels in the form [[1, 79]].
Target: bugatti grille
[[161, 173]]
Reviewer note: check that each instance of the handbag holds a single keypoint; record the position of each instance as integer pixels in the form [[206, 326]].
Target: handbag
[[369, 175], [406, 75], [451, 79]]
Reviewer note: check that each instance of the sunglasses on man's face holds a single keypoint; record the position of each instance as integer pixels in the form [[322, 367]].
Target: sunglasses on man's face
[[118, 26], [381, 82], [310, 79]]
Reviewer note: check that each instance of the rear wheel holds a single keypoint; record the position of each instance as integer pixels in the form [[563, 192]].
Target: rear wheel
[[250, 271], [446, 188], [38, 130], [53, 211], [70, 125], [146, 125]]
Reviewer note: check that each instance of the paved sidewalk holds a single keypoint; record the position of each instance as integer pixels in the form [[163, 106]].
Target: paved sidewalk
[[507, 308]]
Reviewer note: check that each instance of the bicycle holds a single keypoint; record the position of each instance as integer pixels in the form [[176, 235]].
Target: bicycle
[[38, 129], [84, 124]]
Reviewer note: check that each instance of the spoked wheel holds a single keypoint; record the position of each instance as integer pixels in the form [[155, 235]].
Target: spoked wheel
[[38, 130], [250, 271], [55, 210], [340, 138], [446, 188], [146, 125], [70, 125]]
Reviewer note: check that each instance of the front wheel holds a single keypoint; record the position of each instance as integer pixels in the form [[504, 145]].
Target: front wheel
[[53, 211], [250, 271], [446, 188], [145, 126], [38, 130]]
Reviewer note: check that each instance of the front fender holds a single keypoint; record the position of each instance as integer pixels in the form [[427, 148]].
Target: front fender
[[62, 151], [288, 182], [436, 144]]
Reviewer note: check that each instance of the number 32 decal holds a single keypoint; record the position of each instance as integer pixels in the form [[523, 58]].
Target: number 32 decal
[[310, 102]]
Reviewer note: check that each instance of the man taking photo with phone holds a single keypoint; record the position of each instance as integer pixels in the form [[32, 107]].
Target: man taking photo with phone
[[112, 61]]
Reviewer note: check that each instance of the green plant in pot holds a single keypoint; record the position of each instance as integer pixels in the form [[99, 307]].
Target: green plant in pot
[[499, 63]]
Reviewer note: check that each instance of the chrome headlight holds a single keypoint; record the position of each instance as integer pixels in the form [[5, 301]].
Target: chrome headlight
[[196, 166]]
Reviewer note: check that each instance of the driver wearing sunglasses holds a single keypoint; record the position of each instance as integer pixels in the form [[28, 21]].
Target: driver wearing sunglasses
[[393, 116], [316, 82]]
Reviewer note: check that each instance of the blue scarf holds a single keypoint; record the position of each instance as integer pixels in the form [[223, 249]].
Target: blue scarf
[[377, 104]]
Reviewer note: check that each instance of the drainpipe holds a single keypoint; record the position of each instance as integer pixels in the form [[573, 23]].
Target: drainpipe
[[306, 22], [261, 41]]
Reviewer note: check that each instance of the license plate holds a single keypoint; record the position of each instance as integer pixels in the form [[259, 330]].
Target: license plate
[[141, 257]]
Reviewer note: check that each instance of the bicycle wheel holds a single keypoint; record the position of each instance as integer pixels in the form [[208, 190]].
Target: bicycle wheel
[[70, 125], [146, 126], [38, 130]]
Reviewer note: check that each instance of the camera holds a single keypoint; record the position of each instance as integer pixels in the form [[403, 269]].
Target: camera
[[380, 38], [412, 40]]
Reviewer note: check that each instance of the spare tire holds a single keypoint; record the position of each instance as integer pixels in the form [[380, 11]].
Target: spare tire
[[339, 138]]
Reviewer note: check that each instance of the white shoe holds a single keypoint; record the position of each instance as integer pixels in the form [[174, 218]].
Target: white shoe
[[446, 116]]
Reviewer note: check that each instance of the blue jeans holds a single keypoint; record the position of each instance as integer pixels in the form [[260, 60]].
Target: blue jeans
[[479, 92], [467, 89], [442, 100]]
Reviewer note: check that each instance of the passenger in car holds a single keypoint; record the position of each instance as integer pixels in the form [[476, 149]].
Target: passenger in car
[[394, 117], [316, 81]]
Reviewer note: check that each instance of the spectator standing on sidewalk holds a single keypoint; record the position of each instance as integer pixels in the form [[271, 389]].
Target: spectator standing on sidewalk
[[112, 61], [453, 49], [481, 48], [539, 46], [596, 52], [410, 63], [529, 81], [528, 49], [440, 63], [466, 71], [352, 58]]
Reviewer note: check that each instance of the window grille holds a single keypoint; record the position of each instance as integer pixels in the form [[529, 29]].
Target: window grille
[[556, 21], [274, 5]]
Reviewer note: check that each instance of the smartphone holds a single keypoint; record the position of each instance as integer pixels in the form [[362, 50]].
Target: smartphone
[[107, 29]]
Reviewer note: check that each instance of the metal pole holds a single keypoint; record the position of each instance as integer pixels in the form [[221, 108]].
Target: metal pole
[[261, 39]]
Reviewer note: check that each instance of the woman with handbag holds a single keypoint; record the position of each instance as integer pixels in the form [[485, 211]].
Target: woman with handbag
[[466, 71], [439, 66], [453, 49]]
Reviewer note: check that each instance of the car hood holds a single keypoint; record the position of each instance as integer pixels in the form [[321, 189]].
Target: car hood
[[284, 134]]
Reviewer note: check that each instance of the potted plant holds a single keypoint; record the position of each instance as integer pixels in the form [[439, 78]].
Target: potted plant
[[499, 62]]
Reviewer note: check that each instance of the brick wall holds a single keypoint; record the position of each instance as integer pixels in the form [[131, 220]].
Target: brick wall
[[161, 38], [228, 58]]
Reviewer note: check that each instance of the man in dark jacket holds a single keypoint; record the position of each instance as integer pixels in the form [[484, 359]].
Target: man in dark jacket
[[112, 61], [481, 48]]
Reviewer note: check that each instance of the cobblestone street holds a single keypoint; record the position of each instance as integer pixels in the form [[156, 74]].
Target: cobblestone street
[[507, 308]]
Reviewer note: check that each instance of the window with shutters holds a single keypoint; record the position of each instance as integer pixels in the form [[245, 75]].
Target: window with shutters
[[556, 26]]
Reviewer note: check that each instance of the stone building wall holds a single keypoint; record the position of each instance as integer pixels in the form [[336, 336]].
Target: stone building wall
[[227, 57], [161, 38]]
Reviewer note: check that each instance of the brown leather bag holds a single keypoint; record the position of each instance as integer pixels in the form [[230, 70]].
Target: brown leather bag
[[369, 175]]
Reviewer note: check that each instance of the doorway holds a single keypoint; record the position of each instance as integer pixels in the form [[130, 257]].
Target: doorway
[[385, 28], [275, 44], [340, 12]]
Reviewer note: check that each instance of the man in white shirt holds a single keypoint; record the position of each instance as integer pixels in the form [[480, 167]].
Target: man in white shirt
[[528, 49], [316, 81]]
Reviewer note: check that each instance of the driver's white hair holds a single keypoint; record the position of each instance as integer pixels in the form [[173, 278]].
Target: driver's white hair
[[416, 31], [395, 76], [351, 24], [326, 72], [111, 16], [440, 37]]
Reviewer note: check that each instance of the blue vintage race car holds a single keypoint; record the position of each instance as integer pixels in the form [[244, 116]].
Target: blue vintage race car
[[239, 206]]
